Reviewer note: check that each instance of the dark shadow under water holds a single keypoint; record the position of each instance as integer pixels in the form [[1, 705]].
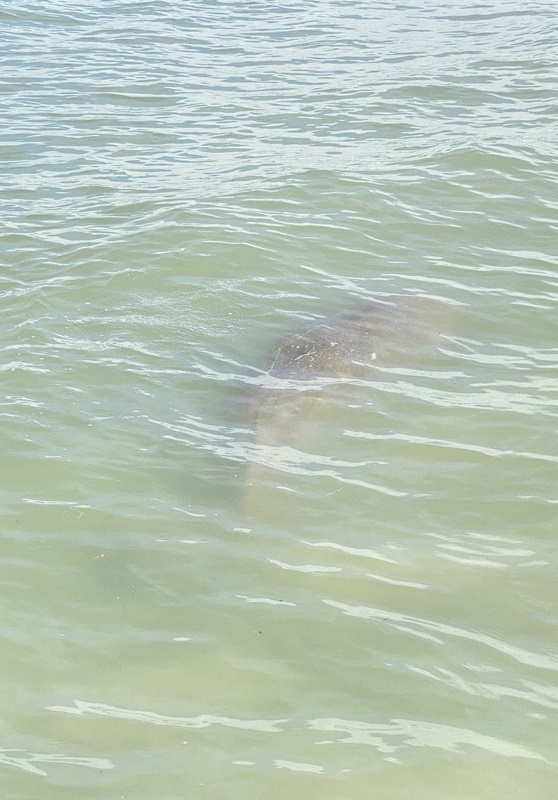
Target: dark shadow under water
[[296, 397]]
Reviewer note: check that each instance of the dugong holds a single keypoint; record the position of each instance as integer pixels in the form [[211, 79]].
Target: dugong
[[295, 393]]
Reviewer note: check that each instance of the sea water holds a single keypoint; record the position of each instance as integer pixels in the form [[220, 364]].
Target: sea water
[[185, 187]]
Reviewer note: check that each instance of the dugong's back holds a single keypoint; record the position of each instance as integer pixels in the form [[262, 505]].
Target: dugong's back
[[336, 347]]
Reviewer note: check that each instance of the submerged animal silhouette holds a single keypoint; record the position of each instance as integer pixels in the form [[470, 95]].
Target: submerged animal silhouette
[[294, 392]]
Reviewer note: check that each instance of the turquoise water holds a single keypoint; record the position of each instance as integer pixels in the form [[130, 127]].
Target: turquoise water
[[216, 588]]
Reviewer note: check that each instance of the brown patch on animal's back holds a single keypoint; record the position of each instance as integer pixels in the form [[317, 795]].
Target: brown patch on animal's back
[[337, 347]]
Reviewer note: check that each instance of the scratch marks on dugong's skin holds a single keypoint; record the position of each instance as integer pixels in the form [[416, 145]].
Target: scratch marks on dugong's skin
[[337, 347]]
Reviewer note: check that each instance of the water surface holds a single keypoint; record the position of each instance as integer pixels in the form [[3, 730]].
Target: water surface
[[187, 186]]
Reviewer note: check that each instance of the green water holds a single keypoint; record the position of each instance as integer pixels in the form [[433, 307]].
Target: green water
[[361, 602]]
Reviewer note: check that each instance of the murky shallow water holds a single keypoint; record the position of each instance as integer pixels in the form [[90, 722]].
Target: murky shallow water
[[365, 602]]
